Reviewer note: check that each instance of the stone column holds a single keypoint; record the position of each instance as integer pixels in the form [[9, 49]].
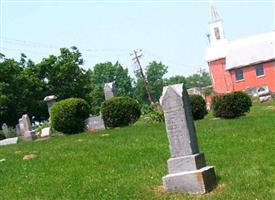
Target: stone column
[[50, 100], [187, 168], [109, 90]]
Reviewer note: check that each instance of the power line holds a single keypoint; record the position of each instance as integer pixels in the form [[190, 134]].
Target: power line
[[43, 45]]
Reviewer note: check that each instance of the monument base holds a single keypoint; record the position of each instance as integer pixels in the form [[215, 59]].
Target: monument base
[[186, 163], [192, 182]]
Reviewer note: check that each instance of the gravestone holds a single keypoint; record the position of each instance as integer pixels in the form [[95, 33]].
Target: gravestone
[[5, 129], [45, 132], [13, 140], [50, 100], [95, 123], [187, 168], [109, 90], [17, 130], [25, 127]]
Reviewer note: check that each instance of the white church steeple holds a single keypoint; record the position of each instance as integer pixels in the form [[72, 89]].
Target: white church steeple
[[216, 26]]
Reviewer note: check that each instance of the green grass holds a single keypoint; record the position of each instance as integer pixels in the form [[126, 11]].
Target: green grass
[[129, 163]]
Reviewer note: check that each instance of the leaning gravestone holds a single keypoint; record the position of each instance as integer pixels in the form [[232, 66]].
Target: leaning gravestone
[[109, 90], [95, 123], [7, 141], [187, 168]]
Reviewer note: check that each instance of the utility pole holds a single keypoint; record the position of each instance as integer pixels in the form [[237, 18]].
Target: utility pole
[[137, 55]]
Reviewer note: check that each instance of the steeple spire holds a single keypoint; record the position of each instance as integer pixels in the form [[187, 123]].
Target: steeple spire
[[213, 12], [216, 26]]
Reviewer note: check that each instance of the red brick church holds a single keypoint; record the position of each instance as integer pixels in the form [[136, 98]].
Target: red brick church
[[246, 64]]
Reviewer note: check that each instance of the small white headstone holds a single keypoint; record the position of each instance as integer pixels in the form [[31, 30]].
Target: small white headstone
[[45, 132], [9, 141]]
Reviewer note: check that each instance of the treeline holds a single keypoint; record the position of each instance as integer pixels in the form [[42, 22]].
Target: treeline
[[24, 84]]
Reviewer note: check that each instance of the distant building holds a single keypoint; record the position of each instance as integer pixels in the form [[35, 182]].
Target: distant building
[[246, 64]]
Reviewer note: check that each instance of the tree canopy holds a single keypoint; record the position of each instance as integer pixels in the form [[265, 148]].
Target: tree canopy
[[24, 84], [104, 73]]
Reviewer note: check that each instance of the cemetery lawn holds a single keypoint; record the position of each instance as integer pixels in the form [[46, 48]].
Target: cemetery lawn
[[129, 163]]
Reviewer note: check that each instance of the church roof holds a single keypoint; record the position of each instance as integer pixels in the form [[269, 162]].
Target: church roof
[[243, 52]]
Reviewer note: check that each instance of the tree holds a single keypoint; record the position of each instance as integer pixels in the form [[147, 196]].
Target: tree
[[24, 84], [20, 92], [198, 80], [63, 74], [175, 80], [104, 73]]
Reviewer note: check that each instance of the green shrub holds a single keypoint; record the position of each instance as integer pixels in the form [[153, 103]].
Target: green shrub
[[198, 106], [231, 105], [154, 117], [67, 116], [120, 111], [146, 109]]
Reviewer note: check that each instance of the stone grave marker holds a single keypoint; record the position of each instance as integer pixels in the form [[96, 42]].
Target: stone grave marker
[[5, 129], [109, 90], [45, 132], [95, 123], [187, 168], [13, 140], [25, 127], [17, 130]]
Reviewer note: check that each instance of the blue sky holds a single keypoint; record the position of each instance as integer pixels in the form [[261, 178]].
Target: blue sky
[[173, 32]]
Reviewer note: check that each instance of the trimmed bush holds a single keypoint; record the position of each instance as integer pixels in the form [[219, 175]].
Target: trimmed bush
[[198, 106], [67, 116], [231, 105], [120, 111]]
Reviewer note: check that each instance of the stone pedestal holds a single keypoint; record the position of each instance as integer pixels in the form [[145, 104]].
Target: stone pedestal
[[50, 100], [188, 172], [109, 90], [198, 181]]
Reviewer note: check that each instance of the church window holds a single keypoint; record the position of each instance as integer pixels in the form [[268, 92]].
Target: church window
[[259, 70], [239, 74]]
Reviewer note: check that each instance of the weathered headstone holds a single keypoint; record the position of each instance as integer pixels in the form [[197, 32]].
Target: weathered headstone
[[187, 168], [109, 90], [95, 123], [50, 100], [21, 127], [27, 122], [17, 130], [5, 129], [45, 132], [25, 127]]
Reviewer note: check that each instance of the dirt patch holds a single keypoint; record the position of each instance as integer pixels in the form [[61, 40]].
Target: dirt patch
[[29, 157], [270, 108], [158, 190], [17, 152]]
